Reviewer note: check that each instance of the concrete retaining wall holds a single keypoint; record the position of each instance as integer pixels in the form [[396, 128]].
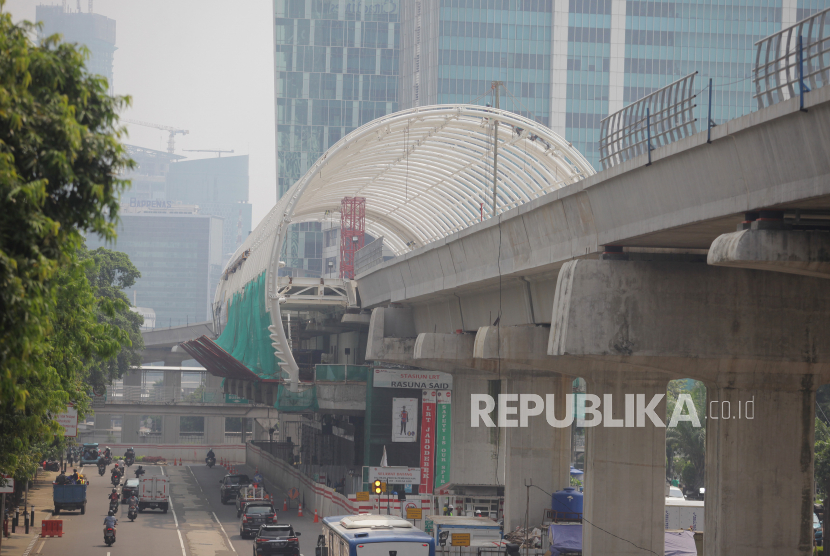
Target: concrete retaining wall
[[315, 496]]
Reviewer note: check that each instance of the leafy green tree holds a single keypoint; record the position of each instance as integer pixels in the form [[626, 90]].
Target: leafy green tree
[[109, 273], [685, 443], [60, 159]]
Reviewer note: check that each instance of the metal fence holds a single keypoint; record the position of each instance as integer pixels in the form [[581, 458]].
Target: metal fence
[[664, 116], [793, 61], [163, 394]]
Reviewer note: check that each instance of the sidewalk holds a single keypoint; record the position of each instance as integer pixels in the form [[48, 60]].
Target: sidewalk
[[40, 497]]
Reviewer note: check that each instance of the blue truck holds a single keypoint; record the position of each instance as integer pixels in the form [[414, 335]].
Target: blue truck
[[69, 497]]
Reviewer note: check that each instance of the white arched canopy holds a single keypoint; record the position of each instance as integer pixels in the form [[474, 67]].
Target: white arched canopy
[[425, 173]]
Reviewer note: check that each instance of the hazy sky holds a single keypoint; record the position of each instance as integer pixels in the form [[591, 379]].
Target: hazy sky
[[201, 65]]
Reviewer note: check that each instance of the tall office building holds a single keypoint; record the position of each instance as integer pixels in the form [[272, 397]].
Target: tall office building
[[179, 254], [570, 63], [219, 186], [335, 70], [94, 31]]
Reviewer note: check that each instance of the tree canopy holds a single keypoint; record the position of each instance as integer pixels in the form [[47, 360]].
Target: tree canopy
[[60, 162]]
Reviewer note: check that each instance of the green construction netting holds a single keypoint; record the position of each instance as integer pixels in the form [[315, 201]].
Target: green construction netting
[[296, 401], [246, 336], [341, 373]]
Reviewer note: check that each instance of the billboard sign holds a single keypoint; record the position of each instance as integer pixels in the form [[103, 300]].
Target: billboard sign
[[404, 419], [69, 421]]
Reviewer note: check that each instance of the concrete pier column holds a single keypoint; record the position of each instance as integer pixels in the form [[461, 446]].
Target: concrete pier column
[[131, 424], [170, 426], [173, 385], [759, 465], [537, 453], [625, 473], [214, 430]]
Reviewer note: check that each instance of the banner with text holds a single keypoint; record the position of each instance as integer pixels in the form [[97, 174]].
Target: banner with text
[[428, 398], [422, 380], [395, 475], [69, 421], [443, 437]]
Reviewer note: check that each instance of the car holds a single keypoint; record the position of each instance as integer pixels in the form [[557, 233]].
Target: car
[[817, 532], [130, 488], [276, 539], [675, 492], [231, 485], [255, 515]]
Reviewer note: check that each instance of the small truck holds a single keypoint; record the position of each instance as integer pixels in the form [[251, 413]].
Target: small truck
[[154, 493], [69, 497]]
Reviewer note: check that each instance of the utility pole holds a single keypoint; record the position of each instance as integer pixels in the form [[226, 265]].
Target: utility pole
[[496, 86]]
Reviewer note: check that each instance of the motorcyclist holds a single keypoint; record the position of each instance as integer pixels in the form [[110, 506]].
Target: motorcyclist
[[130, 453], [133, 502], [110, 521], [210, 454], [139, 472], [113, 495], [102, 462], [107, 452]]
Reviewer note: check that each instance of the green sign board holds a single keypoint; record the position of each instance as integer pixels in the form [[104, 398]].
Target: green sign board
[[233, 398], [443, 438]]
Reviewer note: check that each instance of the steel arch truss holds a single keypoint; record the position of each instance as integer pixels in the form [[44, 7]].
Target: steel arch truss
[[425, 173]]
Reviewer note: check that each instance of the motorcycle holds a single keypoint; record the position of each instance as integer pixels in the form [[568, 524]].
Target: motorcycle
[[129, 461], [102, 469], [210, 462], [139, 473], [114, 505], [116, 479], [51, 466], [109, 536], [132, 513], [108, 459]]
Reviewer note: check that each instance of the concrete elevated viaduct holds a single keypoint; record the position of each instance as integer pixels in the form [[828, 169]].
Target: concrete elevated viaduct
[[706, 264]]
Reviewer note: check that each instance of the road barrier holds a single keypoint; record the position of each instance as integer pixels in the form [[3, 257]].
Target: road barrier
[[51, 528]]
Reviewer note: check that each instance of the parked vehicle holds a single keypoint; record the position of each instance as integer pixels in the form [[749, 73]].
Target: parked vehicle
[[684, 514], [231, 485], [69, 497], [248, 494], [51, 465], [255, 515], [153, 493], [276, 540], [817, 532], [130, 487]]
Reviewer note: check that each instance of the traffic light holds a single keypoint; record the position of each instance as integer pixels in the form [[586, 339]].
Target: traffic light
[[377, 487]]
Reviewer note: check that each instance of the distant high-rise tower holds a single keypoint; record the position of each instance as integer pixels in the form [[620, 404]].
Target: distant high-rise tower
[[336, 68], [94, 31]]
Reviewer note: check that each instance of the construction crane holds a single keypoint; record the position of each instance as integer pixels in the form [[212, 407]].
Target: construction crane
[[171, 142], [206, 151]]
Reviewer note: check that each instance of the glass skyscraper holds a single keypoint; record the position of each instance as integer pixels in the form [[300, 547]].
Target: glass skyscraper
[[570, 63], [336, 68]]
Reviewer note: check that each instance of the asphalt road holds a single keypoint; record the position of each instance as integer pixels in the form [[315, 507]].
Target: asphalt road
[[198, 524]]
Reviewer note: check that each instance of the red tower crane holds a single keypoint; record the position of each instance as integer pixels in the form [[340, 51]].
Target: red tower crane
[[352, 233]]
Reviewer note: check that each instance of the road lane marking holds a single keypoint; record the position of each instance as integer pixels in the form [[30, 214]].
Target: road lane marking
[[195, 479], [31, 545], [175, 519], [223, 530], [40, 547]]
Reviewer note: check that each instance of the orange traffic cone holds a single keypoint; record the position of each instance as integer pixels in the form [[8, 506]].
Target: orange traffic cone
[[316, 519], [285, 505], [300, 512]]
